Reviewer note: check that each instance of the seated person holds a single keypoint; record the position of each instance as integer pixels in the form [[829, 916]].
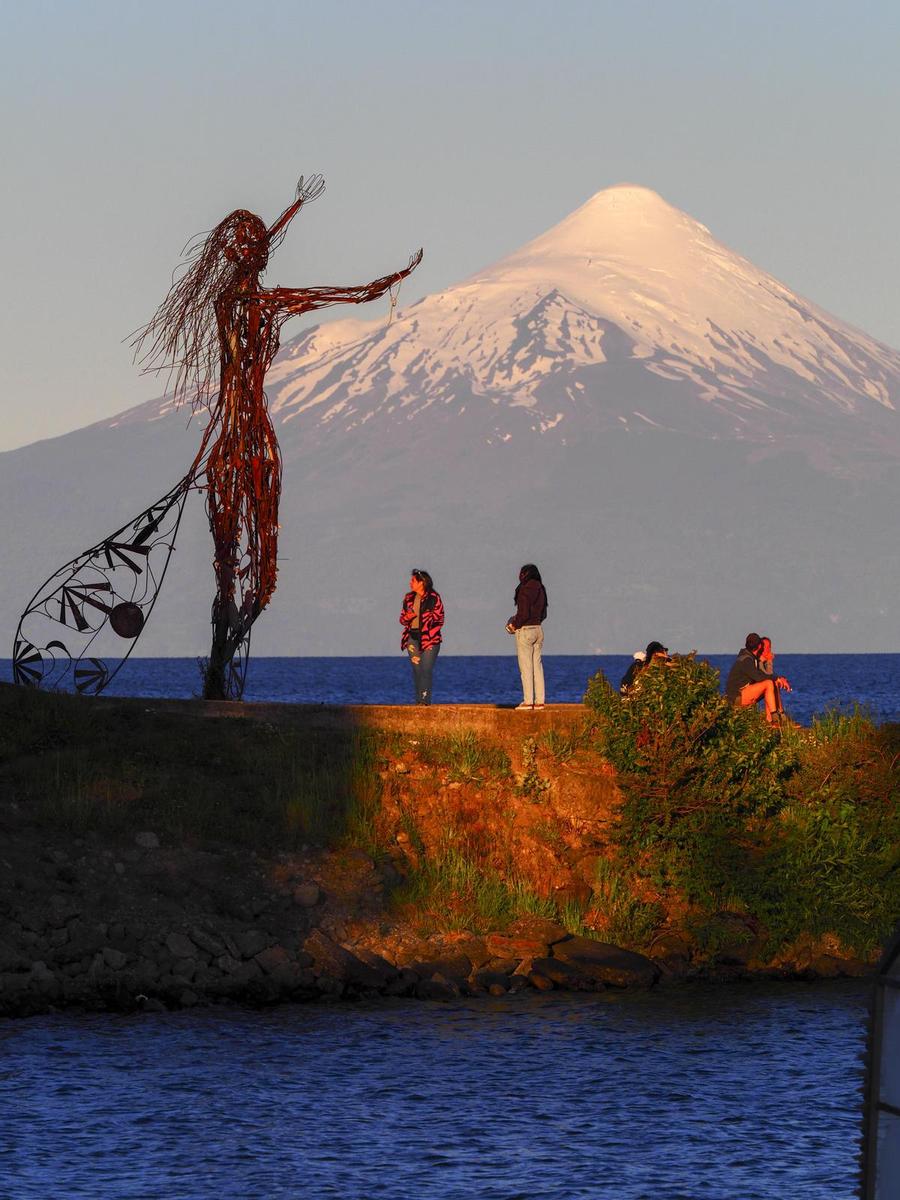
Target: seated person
[[655, 652], [748, 683], [766, 659]]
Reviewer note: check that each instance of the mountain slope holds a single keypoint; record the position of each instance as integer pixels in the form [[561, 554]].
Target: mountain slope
[[585, 321], [687, 448]]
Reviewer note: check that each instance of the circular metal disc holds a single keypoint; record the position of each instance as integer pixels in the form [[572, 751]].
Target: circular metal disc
[[127, 620]]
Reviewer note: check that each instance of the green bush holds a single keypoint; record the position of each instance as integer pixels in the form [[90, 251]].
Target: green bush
[[696, 774], [799, 827], [836, 855]]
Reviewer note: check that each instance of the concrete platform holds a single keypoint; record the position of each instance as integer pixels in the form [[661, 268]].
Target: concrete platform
[[436, 719]]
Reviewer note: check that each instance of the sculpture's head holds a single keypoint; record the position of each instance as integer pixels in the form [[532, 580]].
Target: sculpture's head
[[244, 240], [224, 264]]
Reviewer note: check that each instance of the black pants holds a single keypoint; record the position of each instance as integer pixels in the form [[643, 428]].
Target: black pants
[[422, 670]]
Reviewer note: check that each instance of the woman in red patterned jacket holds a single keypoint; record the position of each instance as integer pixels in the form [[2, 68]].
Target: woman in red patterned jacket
[[422, 616]]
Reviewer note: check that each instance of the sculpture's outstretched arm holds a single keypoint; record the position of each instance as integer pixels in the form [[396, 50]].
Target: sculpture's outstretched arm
[[293, 301]]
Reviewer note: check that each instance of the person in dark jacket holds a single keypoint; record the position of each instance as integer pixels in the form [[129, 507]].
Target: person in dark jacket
[[656, 652], [748, 683], [525, 623], [422, 617]]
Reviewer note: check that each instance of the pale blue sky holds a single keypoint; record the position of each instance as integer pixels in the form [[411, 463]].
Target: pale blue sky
[[464, 127]]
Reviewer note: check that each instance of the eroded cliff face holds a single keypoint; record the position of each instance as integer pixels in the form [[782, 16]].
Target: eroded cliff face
[[158, 856], [542, 821], [542, 826]]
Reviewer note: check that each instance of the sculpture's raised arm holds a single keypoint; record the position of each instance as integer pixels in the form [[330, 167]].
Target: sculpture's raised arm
[[293, 301]]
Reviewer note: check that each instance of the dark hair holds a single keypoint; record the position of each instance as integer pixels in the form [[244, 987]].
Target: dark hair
[[423, 577], [753, 642], [182, 337], [528, 572], [655, 648]]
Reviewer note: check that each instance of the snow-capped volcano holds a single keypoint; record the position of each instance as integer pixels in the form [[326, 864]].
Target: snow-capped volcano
[[589, 322], [687, 449]]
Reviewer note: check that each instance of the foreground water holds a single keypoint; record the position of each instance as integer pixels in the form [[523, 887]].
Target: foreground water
[[697, 1093], [820, 681]]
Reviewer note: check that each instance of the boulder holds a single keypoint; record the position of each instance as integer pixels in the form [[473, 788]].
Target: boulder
[[293, 980], [11, 958], [246, 973], [145, 971], [826, 966], [149, 1004], [735, 939], [506, 966], [333, 960], [14, 986], [609, 964], [114, 959], [486, 978], [307, 895], [672, 953], [44, 981], [541, 982], [272, 958], [328, 986], [185, 968], [457, 967], [449, 945], [404, 984], [61, 910], [251, 942], [206, 941], [541, 929], [33, 920], [855, 968], [84, 941], [513, 946], [388, 970], [564, 975], [436, 989], [181, 946]]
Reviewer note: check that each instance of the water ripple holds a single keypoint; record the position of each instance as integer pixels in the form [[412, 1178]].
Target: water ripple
[[701, 1093]]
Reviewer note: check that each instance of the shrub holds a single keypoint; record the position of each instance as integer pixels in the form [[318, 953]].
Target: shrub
[[799, 827], [836, 853], [696, 774]]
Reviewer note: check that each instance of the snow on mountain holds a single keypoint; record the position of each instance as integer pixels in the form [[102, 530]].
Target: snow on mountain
[[583, 322], [687, 448]]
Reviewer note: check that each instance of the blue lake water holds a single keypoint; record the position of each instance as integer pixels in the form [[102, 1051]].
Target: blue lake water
[[819, 681], [732, 1093], [745, 1092]]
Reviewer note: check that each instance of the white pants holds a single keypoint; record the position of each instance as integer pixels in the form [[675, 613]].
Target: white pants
[[529, 640]]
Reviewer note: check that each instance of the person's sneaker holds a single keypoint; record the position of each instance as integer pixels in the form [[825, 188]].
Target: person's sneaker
[[524, 705], [538, 707]]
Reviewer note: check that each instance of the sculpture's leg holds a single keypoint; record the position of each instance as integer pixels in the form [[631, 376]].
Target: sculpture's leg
[[244, 485], [216, 667], [223, 509]]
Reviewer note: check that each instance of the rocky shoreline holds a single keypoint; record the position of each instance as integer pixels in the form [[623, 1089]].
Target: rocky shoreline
[[139, 926]]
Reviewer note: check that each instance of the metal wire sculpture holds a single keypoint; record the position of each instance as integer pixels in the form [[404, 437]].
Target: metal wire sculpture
[[215, 334]]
